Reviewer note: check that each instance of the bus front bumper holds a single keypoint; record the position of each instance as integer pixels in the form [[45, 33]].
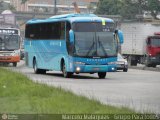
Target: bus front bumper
[[94, 68], [9, 59]]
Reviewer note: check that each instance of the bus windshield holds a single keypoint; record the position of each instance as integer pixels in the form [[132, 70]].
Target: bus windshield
[[94, 40], [9, 42]]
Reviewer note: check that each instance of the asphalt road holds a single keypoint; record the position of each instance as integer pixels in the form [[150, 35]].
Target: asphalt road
[[136, 89]]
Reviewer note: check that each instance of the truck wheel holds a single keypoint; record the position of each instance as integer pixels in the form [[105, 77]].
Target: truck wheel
[[148, 65], [133, 63], [153, 65], [14, 64], [101, 75]]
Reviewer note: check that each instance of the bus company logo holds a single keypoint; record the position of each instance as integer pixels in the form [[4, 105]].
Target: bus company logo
[[4, 116]]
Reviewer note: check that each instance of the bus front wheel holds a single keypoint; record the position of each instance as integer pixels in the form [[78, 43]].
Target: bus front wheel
[[65, 73], [101, 75], [14, 64]]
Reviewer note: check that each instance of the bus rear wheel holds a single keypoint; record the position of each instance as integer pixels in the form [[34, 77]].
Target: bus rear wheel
[[65, 73], [102, 75]]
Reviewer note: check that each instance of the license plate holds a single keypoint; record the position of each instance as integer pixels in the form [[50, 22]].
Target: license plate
[[96, 69]]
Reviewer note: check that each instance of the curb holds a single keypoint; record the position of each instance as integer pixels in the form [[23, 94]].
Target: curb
[[145, 68]]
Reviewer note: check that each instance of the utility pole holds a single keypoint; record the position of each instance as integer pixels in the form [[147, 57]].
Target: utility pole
[[55, 7]]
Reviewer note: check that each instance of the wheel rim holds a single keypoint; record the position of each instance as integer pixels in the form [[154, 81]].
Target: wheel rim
[[64, 70], [35, 66]]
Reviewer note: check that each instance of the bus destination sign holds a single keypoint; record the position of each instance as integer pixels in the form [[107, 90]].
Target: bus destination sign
[[8, 31]]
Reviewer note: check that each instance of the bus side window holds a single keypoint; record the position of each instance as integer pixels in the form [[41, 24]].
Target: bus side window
[[32, 30], [49, 31], [29, 31], [62, 30], [69, 47], [68, 27], [55, 31]]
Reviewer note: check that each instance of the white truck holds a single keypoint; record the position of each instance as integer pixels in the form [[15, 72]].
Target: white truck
[[141, 43]]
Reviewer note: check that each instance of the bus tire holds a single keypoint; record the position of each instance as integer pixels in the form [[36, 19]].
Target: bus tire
[[36, 70], [65, 73], [154, 65], [15, 64], [42, 71], [102, 75]]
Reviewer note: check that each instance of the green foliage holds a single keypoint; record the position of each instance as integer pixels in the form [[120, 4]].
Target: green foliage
[[23, 1], [109, 7], [154, 7], [12, 8], [19, 95], [128, 9]]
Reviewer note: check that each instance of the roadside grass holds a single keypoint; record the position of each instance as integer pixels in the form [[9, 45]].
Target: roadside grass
[[20, 95]]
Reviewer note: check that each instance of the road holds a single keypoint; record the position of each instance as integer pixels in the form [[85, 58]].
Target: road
[[136, 89]]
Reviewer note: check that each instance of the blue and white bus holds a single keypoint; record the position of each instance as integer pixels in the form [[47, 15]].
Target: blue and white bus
[[72, 43]]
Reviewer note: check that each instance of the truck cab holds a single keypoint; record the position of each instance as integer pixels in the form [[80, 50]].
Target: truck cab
[[153, 50]]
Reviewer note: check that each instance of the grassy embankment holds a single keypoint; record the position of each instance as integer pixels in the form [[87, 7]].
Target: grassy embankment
[[18, 94]]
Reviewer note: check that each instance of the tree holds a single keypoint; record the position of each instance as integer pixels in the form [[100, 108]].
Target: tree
[[153, 7], [129, 9], [90, 7], [109, 7], [12, 8], [141, 5], [23, 1], [126, 8], [3, 6]]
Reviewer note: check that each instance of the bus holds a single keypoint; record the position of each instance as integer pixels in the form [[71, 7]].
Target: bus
[[9, 45], [72, 43]]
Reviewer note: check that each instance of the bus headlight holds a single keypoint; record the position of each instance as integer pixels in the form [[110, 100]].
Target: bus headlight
[[78, 69], [113, 69], [125, 62]]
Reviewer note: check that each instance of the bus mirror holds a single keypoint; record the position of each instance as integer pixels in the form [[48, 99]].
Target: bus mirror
[[120, 36], [71, 36]]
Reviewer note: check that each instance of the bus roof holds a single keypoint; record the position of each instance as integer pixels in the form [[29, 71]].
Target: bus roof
[[72, 18]]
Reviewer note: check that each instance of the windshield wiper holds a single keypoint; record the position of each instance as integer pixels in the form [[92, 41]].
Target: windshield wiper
[[91, 47], [100, 43]]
